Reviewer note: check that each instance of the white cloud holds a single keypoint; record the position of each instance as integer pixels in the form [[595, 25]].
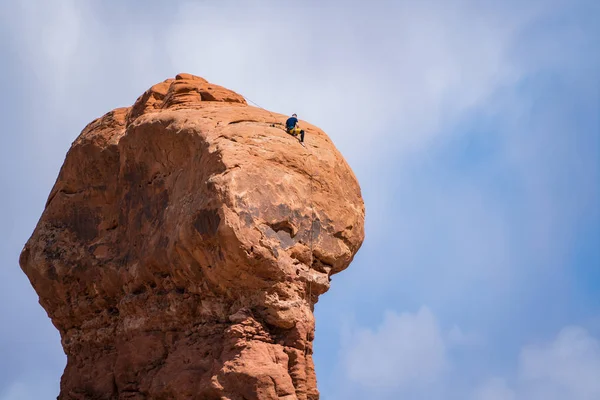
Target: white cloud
[[16, 391], [494, 389], [30, 388], [413, 71], [391, 88], [407, 355], [567, 368], [457, 337], [405, 350]]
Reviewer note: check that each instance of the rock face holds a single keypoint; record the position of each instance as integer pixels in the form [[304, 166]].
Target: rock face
[[184, 245]]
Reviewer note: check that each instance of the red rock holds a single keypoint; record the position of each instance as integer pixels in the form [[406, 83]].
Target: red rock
[[184, 245]]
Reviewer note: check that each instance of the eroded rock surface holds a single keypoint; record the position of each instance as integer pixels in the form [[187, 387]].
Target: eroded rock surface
[[184, 245]]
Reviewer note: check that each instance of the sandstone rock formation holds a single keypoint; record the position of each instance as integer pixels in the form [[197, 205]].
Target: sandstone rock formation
[[184, 245]]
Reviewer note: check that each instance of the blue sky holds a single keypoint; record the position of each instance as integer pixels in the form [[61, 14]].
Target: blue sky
[[473, 128]]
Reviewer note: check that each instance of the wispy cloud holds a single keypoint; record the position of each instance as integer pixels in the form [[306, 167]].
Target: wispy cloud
[[566, 368], [408, 355], [405, 350]]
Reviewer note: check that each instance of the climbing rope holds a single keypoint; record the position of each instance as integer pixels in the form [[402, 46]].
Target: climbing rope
[[312, 231], [256, 104], [312, 226], [262, 108], [274, 122], [312, 206]]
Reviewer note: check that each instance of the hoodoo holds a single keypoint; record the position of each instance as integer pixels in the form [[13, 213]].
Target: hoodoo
[[184, 245]]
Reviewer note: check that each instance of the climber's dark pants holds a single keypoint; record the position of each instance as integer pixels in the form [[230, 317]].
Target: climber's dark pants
[[295, 132]]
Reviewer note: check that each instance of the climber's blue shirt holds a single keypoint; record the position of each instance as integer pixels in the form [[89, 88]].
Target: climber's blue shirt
[[291, 122]]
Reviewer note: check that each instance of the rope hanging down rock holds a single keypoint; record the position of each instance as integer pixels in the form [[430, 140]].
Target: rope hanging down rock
[[312, 225], [312, 231]]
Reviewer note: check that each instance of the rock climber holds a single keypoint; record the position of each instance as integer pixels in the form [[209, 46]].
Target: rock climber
[[291, 127]]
